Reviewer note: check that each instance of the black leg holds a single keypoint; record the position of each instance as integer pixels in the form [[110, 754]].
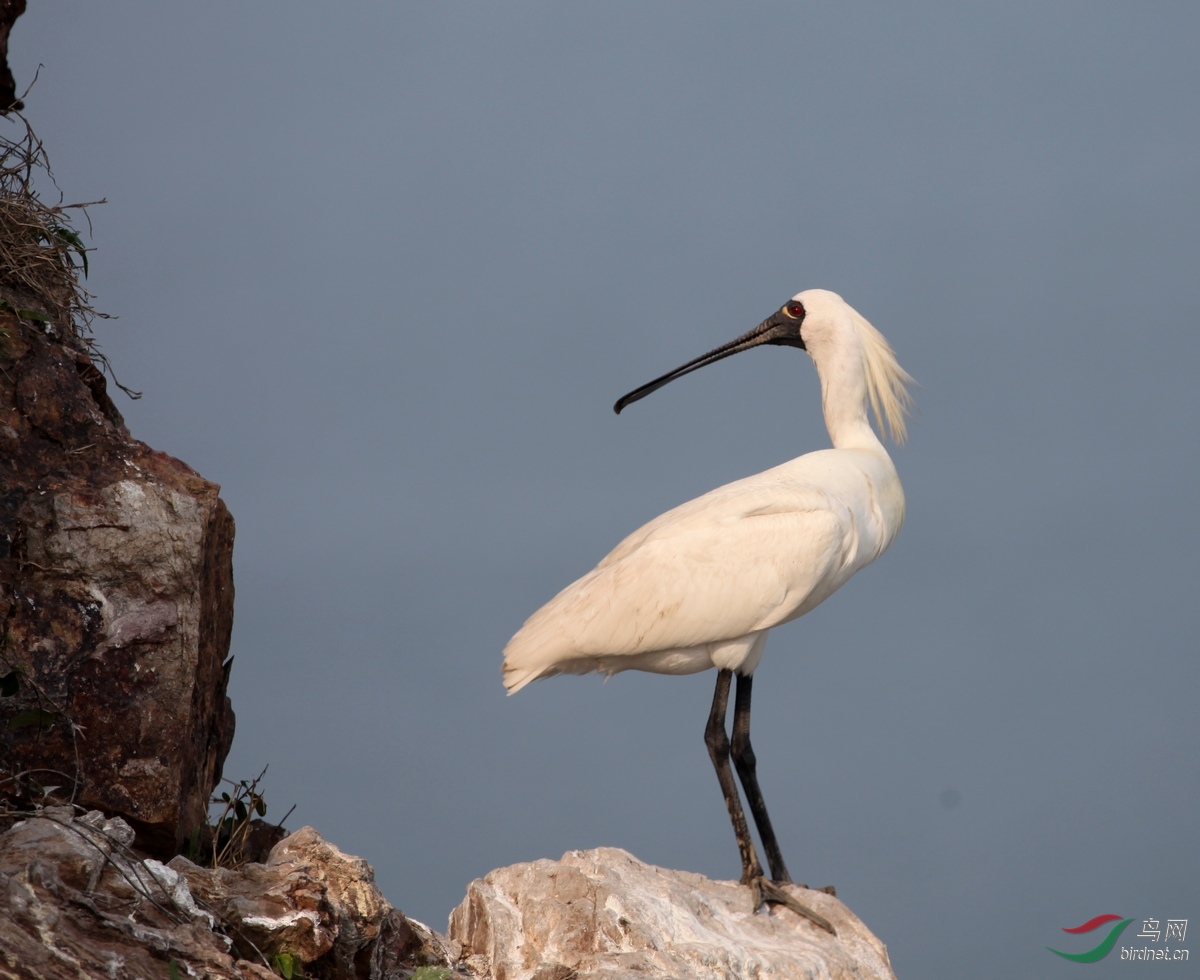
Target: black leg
[[718, 750], [743, 759], [743, 756]]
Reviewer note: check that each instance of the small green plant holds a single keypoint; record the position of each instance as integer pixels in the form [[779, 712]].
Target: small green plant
[[25, 314], [285, 964], [191, 850], [233, 822], [69, 237], [432, 973], [230, 829], [289, 966], [41, 254], [34, 716]]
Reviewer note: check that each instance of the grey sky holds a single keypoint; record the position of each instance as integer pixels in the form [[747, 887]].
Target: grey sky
[[382, 269]]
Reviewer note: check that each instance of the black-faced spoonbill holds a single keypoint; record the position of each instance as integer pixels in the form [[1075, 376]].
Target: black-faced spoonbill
[[701, 585]]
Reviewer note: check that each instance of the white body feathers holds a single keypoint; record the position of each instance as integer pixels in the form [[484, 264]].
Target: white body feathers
[[699, 586]]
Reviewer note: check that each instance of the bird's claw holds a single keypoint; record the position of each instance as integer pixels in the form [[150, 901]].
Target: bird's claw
[[765, 890]]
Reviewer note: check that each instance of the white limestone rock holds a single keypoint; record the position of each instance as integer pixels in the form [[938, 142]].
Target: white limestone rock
[[604, 914]]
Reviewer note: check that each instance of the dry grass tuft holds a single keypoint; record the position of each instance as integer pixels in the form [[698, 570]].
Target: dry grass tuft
[[43, 260]]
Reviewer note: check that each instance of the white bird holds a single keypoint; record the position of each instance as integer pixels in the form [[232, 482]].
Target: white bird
[[701, 585]]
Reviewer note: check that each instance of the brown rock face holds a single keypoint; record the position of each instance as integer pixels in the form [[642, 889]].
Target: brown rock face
[[75, 902], [116, 602], [317, 904]]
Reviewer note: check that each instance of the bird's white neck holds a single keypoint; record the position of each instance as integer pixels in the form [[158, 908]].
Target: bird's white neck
[[844, 397]]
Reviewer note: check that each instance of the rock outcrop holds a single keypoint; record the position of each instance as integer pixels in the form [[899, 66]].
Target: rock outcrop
[[604, 914], [311, 901], [75, 902], [116, 601]]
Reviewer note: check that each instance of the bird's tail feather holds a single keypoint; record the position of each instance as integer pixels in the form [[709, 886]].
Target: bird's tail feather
[[515, 679]]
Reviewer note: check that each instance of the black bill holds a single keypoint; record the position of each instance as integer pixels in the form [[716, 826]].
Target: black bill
[[781, 328]]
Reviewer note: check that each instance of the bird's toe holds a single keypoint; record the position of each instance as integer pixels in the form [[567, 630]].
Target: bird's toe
[[765, 890]]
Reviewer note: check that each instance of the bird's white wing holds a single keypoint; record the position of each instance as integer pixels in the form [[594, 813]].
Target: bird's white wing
[[743, 558]]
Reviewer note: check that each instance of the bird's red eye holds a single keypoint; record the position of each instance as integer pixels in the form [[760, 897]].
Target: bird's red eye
[[795, 309]]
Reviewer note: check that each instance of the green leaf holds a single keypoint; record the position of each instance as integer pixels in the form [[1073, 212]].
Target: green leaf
[[261, 807], [70, 238], [285, 963], [25, 314], [9, 685], [173, 971], [35, 716]]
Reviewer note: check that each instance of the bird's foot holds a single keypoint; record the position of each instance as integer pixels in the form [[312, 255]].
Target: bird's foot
[[765, 890]]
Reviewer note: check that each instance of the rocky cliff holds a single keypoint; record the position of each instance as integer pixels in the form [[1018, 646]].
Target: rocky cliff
[[116, 601], [76, 901]]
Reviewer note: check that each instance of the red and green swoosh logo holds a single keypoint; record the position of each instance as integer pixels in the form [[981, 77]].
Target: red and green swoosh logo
[[1105, 945]]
